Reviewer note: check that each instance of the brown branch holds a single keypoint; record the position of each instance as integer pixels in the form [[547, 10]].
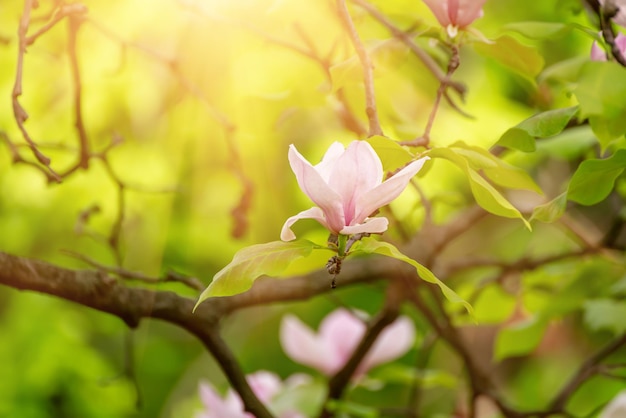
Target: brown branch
[[73, 27], [19, 112], [368, 69], [607, 13], [65, 10], [389, 313], [584, 372]]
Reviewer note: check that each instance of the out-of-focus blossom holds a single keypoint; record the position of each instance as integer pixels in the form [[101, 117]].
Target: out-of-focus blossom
[[598, 54], [620, 17], [616, 408], [217, 407], [265, 385], [347, 188], [338, 336], [455, 14]]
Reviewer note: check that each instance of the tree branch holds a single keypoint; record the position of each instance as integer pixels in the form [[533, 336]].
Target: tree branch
[[368, 69]]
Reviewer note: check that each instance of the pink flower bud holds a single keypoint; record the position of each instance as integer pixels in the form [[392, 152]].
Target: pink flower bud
[[456, 14], [598, 54]]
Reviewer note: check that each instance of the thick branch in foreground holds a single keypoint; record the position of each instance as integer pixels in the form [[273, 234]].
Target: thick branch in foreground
[[100, 291]]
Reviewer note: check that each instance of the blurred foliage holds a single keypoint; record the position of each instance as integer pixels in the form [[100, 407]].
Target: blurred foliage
[[201, 99]]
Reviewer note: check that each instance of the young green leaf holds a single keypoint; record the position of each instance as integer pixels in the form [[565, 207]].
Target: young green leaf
[[601, 90], [392, 154], [371, 246], [594, 179], [521, 59], [550, 211], [252, 262], [542, 125], [606, 314], [485, 194], [538, 30], [497, 170], [520, 338]]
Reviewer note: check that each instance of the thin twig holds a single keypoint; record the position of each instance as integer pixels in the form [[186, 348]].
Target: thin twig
[[430, 64], [366, 65], [171, 276]]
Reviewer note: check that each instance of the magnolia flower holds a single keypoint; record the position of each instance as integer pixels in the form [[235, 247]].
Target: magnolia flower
[[456, 14], [265, 385], [616, 408], [598, 54], [339, 334], [620, 17], [347, 188]]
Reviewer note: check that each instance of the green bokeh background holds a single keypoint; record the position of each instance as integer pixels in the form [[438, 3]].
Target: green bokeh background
[[63, 360]]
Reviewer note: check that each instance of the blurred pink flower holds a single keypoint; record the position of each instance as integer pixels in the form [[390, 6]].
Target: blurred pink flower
[[347, 187], [620, 17], [339, 333], [616, 408], [598, 54], [265, 386], [455, 14]]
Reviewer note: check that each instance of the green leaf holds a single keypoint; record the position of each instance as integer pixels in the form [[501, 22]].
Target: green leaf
[[392, 154], [371, 246], [547, 30], [594, 179], [497, 170], [608, 130], [606, 314], [550, 211], [601, 90], [252, 262], [570, 144], [538, 30], [523, 60], [566, 71], [520, 338], [542, 125], [485, 194]]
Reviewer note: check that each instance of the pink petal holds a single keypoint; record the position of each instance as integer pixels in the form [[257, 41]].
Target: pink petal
[[312, 183], [265, 385], [376, 225], [458, 13], [286, 234], [597, 53], [387, 191], [303, 346], [392, 343], [325, 167], [216, 407], [342, 331], [468, 11], [616, 408], [357, 171], [440, 10]]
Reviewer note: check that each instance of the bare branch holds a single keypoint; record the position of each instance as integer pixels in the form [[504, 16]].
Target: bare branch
[[368, 69]]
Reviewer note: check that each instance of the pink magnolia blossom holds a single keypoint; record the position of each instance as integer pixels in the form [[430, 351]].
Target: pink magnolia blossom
[[339, 333], [620, 17], [265, 385], [598, 54], [616, 408], [347, 188], [456, 14]]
